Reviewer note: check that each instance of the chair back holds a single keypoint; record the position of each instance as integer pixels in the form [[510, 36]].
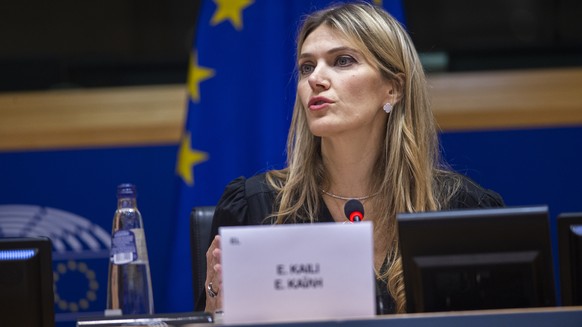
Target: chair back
[[200, 225]]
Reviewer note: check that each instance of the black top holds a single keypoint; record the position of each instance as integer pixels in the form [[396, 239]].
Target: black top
[[250, 202]]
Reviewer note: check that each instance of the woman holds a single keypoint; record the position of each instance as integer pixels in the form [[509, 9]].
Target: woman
[[362, 129]]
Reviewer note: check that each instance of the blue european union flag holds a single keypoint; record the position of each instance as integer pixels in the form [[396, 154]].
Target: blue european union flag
[[241, 93]]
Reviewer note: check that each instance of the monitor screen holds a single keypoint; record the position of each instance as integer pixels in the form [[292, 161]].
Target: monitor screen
[[475, 259], [26, 282], [570, 251]]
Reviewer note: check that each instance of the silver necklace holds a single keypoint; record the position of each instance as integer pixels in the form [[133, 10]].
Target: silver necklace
[[345, 198]]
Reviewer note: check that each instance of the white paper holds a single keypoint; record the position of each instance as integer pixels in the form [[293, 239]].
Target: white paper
[[297, 272]]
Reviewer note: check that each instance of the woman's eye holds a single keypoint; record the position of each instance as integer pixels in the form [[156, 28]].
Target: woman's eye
[[306, 69], [344, 61]]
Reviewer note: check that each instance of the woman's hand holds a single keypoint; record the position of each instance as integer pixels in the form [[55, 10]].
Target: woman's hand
[[214, 277]]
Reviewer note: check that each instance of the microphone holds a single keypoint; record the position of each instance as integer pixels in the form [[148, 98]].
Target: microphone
[[354, 210]]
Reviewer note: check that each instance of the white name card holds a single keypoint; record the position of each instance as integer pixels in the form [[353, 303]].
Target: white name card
[[297, 272]]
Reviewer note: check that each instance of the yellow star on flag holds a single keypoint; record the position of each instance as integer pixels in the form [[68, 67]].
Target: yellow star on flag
[[197, 74], [187, 159], [231, 10]]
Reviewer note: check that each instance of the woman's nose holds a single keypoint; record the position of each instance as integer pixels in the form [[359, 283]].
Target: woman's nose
[[319, 79]]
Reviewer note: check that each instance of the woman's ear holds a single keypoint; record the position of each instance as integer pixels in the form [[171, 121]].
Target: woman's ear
[[397, 90]]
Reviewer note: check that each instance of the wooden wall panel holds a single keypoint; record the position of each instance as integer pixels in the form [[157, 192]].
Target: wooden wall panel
[[154, 115]]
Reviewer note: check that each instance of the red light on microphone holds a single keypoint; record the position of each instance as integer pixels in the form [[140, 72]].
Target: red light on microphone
[[356, 216]]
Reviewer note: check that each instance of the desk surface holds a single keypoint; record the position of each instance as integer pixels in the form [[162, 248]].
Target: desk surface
[[538, 317]]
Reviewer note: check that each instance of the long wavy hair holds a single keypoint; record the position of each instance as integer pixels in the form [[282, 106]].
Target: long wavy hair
[[408, 170]]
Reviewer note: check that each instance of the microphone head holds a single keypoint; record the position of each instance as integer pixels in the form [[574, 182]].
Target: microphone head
[[354, 210]]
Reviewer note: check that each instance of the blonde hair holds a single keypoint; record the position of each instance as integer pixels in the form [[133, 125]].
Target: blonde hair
[[408, 167]]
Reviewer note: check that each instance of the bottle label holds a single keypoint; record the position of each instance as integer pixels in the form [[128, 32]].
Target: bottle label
[[123, 247], [128, 246], [140, 245]]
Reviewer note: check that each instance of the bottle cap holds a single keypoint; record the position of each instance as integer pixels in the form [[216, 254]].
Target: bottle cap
[[125, 190]]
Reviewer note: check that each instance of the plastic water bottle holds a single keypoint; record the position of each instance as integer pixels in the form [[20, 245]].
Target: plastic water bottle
[[129, 288]]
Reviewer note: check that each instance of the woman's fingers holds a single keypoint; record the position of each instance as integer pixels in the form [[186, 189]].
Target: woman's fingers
[[214, 276]]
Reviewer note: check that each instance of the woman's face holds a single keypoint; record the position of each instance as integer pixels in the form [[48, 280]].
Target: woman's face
[[340, 90]]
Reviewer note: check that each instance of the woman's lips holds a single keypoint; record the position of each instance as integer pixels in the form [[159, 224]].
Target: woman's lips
[[318, 103]]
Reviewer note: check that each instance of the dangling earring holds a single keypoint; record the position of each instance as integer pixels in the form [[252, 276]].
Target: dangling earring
[[387, 107]]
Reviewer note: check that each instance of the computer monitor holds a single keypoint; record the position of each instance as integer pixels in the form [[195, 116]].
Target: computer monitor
[[26, 282], [474, 259], [570, 253]]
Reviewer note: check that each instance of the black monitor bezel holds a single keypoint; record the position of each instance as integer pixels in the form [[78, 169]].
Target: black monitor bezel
[[567, 243], [475, 231], [45, 274]]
